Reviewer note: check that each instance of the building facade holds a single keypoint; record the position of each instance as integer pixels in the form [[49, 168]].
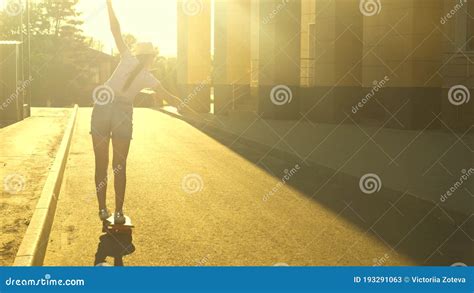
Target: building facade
[[403, 64]]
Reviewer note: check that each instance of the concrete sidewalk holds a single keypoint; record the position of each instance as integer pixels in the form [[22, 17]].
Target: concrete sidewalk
[[425, 164], [200, 198], [27, 150]]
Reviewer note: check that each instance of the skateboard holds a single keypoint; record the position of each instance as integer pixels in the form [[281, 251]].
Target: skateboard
[[110, 226]]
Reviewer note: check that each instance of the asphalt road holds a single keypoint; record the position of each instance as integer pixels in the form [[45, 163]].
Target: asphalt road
[[202, 198]]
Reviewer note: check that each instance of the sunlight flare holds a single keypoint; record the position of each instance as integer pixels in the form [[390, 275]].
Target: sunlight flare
[[148, 20]]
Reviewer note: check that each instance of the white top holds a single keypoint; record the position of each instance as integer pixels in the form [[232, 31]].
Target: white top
[[144, 79]]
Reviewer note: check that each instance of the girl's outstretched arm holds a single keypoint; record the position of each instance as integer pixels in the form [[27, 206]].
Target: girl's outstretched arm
[[166, 95], [115, 27], [172, 99]]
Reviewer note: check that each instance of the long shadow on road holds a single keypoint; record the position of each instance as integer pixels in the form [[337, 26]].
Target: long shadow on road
[[115, 246], [424, 231]]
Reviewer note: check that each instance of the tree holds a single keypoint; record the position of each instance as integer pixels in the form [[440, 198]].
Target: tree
[[59, 50]]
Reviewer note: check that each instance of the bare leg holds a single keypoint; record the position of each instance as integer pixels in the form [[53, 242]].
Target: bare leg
[[101, 150], [121, 148]]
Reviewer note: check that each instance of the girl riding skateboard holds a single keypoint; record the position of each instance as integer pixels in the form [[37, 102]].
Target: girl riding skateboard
[[112, 120]]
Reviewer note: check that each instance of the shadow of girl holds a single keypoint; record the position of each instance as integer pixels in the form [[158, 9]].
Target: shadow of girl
[[113, 245]]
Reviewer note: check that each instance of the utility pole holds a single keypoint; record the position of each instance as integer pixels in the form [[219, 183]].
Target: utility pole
[[28, 51]]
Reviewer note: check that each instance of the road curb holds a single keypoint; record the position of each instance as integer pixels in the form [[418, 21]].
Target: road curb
[[35, 241]]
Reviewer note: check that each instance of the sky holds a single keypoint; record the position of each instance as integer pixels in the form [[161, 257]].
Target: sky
[[149, 20]]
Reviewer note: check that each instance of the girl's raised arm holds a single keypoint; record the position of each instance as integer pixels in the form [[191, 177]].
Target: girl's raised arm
[[116, 30]]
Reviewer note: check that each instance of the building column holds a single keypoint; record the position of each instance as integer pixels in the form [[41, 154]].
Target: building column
[[254, 50], [194, 53], [337, 54], [457, 68], [279, 58], [402, 47], [231, 55]]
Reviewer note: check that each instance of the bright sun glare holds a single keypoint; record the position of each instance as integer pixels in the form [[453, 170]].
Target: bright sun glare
[[149, 20]]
